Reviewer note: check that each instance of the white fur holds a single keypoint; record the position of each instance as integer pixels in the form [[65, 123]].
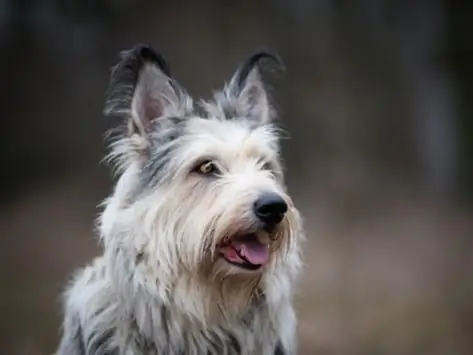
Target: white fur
[[160, 286]]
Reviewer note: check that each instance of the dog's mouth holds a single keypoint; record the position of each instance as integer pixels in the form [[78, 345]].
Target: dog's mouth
[[246, 252]]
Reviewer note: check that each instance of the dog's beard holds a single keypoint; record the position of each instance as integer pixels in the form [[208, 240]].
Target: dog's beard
[[181, 262]]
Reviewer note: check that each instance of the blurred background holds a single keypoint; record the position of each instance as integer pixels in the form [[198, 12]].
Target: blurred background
[[377, 99]]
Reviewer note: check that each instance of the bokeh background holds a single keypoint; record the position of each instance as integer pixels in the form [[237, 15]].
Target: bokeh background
[[377, 99]]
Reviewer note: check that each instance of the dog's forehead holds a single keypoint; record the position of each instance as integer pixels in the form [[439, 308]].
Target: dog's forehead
[[232, 138]]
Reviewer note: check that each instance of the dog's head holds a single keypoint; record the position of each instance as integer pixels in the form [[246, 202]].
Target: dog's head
[[200, 187]]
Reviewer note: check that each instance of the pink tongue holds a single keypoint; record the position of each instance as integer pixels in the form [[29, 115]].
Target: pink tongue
[[256, 253]]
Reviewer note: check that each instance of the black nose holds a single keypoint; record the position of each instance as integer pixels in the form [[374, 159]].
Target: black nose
[[270, 208]]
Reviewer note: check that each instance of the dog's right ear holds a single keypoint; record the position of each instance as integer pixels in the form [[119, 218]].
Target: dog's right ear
[[142, 90]]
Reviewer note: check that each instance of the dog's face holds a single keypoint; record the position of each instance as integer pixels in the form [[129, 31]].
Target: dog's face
[[201, 187]]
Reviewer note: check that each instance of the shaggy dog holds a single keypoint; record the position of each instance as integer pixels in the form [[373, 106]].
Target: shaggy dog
[[201, 240]]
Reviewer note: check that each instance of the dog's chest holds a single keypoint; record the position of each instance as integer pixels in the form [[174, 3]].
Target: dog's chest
[[241, 339]]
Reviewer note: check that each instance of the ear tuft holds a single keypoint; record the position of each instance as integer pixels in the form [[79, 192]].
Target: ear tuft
[[246, 95], [261, 61], [144, 96], [124, 77], [142, 90]]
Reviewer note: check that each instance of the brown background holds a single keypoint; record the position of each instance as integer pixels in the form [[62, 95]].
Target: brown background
[[377, 100]]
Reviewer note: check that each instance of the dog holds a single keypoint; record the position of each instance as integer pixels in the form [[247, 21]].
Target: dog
[[202, 243]]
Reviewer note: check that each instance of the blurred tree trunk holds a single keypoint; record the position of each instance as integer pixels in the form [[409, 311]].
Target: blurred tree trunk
[[460, 48]]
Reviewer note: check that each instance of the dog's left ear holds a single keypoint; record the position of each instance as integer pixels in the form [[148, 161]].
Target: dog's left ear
[[247, 90]]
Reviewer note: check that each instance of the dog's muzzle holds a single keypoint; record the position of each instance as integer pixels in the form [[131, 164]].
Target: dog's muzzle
[[249, 251]]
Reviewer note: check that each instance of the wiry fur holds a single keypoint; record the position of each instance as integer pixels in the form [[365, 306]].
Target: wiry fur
[[160, 286]]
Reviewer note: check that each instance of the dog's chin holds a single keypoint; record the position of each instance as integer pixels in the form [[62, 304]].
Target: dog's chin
[[246, 253]]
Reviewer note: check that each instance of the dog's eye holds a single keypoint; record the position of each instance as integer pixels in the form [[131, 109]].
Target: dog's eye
[[207, 168]]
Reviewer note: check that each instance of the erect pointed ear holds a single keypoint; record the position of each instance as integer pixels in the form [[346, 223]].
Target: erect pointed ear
[[247, 91], [142, 90]]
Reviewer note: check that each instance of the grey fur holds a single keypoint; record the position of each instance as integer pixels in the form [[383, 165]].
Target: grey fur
[[109, 329], [160, 287]]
